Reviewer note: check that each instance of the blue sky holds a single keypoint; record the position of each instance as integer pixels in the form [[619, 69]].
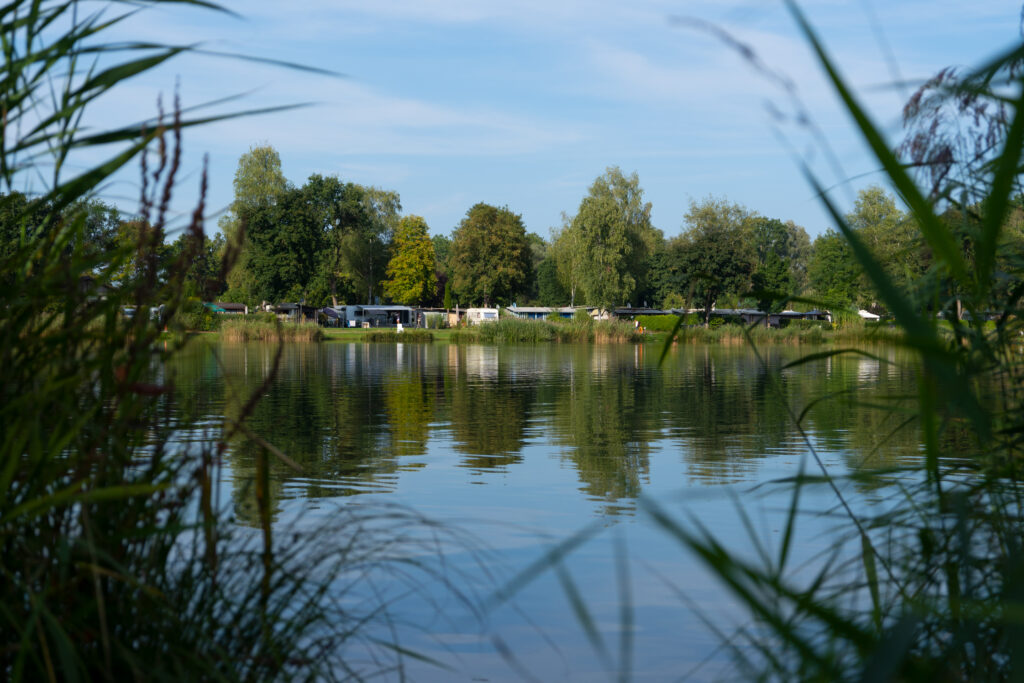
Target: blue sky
[[453, 102]]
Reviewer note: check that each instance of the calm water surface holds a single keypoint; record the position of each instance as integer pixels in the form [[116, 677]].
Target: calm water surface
[[523, 446]]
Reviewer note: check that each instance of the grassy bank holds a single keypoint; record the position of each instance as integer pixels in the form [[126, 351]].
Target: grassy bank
[[514, 331], [510, 331], [793, 335], [256, 330]]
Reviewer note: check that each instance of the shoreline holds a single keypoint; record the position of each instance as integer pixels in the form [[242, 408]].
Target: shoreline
[[694, 336]]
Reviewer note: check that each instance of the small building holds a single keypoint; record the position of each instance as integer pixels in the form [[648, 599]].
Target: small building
[[375, 315], [294, 313], [329, 317], [456, 316], [231, 308], [96, 291], [749, 316], [530, 312], [630, 313], [475, 316], [426, 317], [805, 315]]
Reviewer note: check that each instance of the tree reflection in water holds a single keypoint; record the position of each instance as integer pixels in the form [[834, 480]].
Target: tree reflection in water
[[359, 417]]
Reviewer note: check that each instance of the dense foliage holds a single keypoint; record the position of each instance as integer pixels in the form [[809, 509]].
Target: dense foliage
[[490, 260], [331, 241], [411, 276]]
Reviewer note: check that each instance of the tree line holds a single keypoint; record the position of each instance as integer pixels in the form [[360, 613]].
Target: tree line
[[330, 242]]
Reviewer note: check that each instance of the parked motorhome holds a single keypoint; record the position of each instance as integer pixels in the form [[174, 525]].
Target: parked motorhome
[[475, 316]]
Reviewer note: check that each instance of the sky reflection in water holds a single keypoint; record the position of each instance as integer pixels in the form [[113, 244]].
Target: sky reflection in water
[[525, 445]]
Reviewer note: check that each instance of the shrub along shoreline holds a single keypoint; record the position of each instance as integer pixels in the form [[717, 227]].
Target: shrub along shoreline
[[515, 331]]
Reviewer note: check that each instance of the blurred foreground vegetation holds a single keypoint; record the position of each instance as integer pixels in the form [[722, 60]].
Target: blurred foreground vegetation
[[118, 558]]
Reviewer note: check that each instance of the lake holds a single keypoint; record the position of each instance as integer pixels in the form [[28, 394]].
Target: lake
[[517, 448]]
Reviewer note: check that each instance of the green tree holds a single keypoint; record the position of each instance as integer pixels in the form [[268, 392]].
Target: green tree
[[340, 211], [780, 259], [538, 252], [667, 276], [365, 248], [550, 291], [893, 238], [442, 250], [490, 257], [411, 277], [259, 180], [801, 250], [95, 239], [258, 183], [204, 277], [147, 254], [833, 274], [285, 241], [716, 251], [614, 236], [567, 251]]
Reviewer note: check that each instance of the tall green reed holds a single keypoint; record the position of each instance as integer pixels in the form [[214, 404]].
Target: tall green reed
[[927, 582], [254, 330], [926, 585], [577, 330], [117, 559]]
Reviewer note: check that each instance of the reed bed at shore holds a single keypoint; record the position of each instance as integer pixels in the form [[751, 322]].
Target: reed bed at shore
[[255, 330], [513, 331], [792, 335]]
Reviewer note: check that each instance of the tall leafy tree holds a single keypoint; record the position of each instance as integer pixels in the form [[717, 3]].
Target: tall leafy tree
[[490, 257], [567, 251], [203, 277], [779, 260], [666, 274], [716, 251], [442, 249], [259, 180], [285, 240], [22, 216], [614, 236], [891, 235], [365, 249], [259, 183], [147, 254], [833, 274], [550, 291], [538, 252], [339, 211], [411, 277]]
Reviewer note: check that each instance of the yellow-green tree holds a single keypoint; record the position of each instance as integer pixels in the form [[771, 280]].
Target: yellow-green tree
[[411, 278]]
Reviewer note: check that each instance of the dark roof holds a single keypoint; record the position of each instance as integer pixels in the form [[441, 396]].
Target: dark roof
[[383, 308]]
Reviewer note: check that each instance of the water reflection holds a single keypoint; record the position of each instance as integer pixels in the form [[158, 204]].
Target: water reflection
[[363, 418]]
